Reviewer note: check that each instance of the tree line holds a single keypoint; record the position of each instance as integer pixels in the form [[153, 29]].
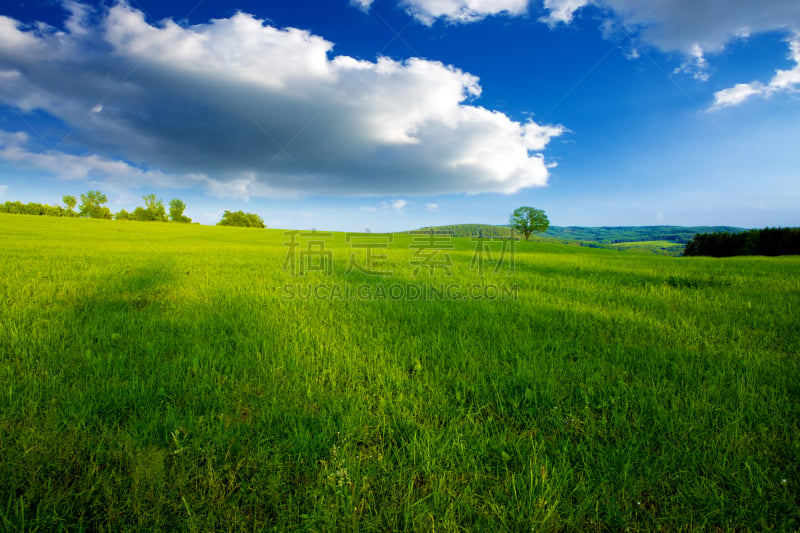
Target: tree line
[[625, 234], [488, 231], [92, 205], [767, 241]]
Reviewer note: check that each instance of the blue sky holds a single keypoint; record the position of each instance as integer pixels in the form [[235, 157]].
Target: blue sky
[[393, 115]]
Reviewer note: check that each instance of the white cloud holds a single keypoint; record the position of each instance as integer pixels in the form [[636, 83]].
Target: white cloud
[[78, 15], [696, 65], [362, 4], [736, 94], [783, 81], [670, 25], [397, 205], [692, 27], [561, 11], [259, 110], [3, 191], [695, 28], [110, 172], [632, 53], [13, 40], [458, 11], [680, 25], [367, 209], [432, 206], [427, 11], [787, 79]]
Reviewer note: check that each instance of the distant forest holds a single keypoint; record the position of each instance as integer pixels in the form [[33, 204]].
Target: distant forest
[[472, 230], [664, 240], [625, 234], [767, 241]]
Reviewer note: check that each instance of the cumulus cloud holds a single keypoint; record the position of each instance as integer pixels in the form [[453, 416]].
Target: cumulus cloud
[[783, 81], [249, 109], [427, 11]]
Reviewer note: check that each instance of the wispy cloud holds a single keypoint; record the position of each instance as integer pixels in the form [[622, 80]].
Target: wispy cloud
[[428, 11], [697, 28], [396, 205], [680, 25], [362, 4], [694, 28], [783, 81], [561, 11], [695, 65]]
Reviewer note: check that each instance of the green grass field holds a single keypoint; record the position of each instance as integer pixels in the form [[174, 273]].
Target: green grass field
[[175, 377]]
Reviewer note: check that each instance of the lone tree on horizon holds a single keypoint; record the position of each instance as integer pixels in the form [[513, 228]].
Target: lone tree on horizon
[[528, 220]]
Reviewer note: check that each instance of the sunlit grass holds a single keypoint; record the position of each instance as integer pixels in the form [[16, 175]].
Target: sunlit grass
[[154, 376]]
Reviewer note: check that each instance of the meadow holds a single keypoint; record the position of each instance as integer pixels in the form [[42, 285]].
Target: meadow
[[178, 378]]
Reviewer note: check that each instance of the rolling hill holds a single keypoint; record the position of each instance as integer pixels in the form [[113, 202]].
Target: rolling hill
[[664, 240]]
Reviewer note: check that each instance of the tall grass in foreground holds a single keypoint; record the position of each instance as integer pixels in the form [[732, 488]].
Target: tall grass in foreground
[[155, 377]]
